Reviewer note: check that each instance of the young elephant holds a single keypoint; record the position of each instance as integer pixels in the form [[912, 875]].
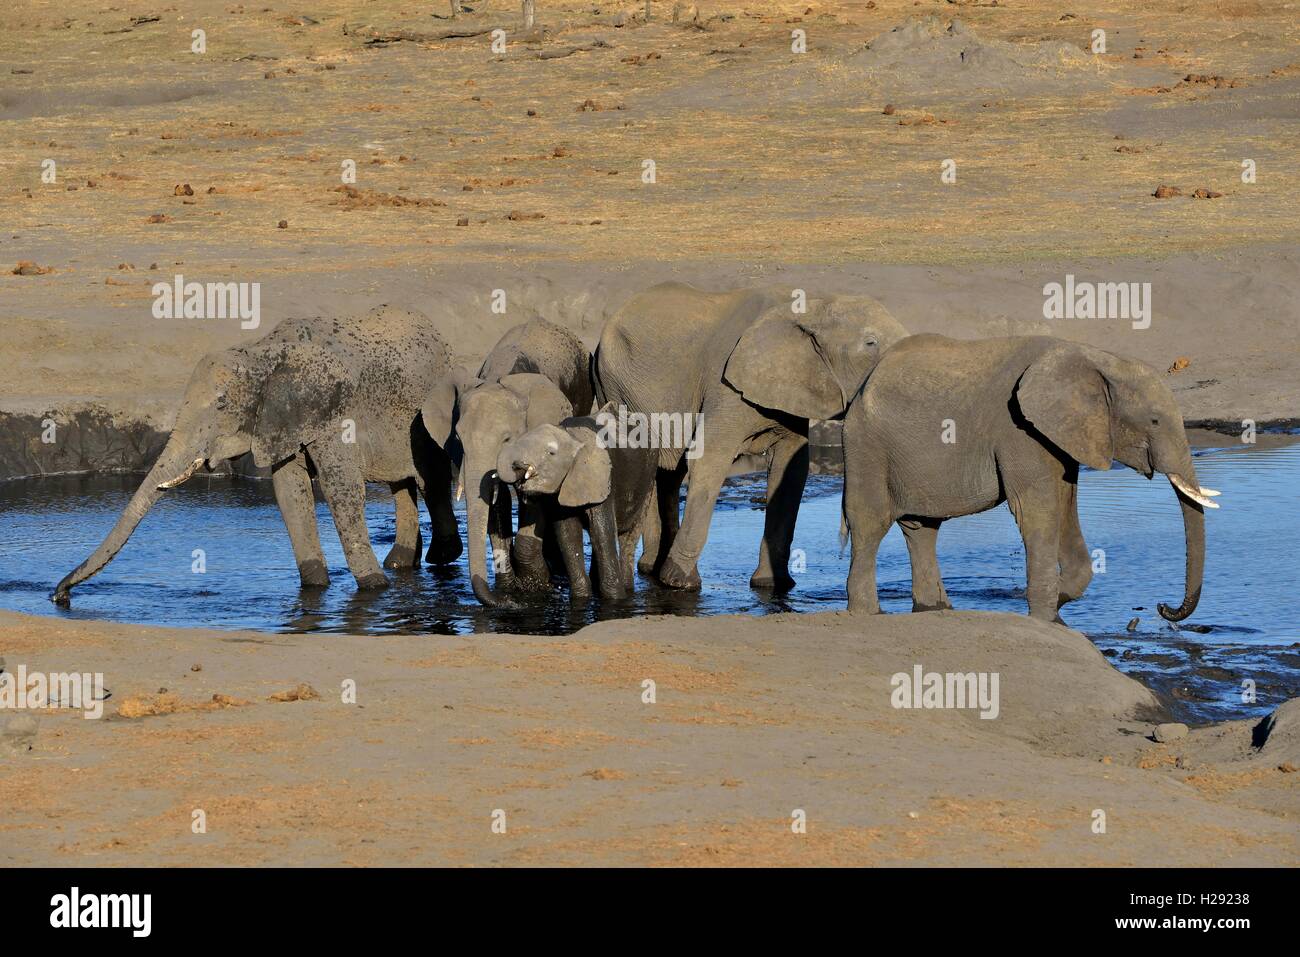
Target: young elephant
[[584, 483], [538, 372], [945, 428]]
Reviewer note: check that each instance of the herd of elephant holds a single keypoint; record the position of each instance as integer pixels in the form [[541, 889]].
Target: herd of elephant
[[934, 428]]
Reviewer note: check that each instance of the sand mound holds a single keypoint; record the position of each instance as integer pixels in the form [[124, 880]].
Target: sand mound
[[930, 56], [1056, 692]]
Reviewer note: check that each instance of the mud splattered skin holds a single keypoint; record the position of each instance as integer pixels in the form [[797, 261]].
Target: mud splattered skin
[[337, 400]]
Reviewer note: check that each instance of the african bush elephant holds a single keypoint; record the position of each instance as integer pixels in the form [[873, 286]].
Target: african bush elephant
[[582, 480], [549, 373], [337, 399], [946, 427], [755, 370], [538, 372]]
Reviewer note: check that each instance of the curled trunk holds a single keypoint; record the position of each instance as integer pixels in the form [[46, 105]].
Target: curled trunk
[[1194, 533], [174, 462]]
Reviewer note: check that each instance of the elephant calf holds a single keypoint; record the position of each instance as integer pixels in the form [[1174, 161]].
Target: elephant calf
[[538, 372], [582, 480], [945, 427]]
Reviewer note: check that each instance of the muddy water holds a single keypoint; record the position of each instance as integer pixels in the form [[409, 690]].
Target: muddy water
[[1247, 625]]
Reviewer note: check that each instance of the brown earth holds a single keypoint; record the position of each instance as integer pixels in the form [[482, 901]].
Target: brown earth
[[771, 167], [753, 719]]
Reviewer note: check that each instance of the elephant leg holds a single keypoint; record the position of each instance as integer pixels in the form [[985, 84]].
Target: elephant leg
[[528, 551], [707, 475], [604, 550], [866, 532], [928, 593], [405, 552], [567, 530], [868, 513], [786, 478], [650, 530], [1076, 563], [1036, 512], [662, 519], [627, 559], [292, 485], [444, 536], [344, 488]]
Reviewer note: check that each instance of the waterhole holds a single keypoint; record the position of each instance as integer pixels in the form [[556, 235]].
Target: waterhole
[[1245, 629]]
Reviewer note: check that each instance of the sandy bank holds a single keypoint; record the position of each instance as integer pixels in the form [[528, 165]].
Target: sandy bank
[[753, 719]]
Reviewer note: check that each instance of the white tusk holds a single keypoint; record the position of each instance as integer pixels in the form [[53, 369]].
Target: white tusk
[[460, 486], [1213, 493], [529, 472], [1195, 494], [184, 476]]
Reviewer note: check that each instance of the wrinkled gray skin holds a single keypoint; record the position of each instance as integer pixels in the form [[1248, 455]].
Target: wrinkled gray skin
[[581, 484], [286, 398], [538, 372], [1027, 411], [757, 372]]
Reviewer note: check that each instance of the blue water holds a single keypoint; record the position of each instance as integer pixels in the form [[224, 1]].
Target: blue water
[[1247, 620]]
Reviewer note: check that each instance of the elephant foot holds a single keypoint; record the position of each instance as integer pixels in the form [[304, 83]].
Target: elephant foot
[[671, 575], [919, 607], [443, 551], [312, 574], [402, 556], [776, 583], [376, 582]]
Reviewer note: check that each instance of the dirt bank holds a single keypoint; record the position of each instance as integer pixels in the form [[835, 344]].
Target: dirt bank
[[541, 150], [753, 720]]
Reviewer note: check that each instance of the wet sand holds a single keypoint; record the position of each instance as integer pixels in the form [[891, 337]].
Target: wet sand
[[752, 720]]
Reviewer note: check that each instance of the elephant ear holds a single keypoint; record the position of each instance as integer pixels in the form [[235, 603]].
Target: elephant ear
[[303, 399], [544, 403], [587, 481], [1064, 396], [778, 364], [440, 408]]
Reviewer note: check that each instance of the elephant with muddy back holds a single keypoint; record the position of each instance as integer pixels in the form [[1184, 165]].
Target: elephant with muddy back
[[755, 366], [334, 399], [945, 427], [537, 373]]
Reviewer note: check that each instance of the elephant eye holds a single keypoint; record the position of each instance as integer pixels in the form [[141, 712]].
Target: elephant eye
[[1155, 421], [221, 401]]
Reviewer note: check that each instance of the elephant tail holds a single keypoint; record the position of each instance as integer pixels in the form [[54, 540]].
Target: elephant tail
[[844, 529]]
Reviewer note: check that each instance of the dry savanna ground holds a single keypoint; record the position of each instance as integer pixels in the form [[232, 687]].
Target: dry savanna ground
[[768, 163]]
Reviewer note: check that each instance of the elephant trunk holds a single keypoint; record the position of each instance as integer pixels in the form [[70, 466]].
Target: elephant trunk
[[174, 465], [1194, 533], [476, 528]]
